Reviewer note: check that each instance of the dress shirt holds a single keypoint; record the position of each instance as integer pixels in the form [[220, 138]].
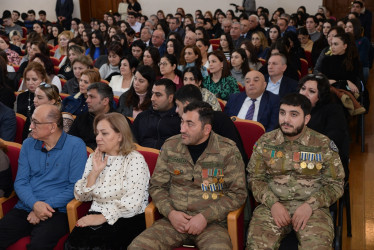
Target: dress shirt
[[246, 104]]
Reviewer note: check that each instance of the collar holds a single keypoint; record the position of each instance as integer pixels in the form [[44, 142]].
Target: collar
[[303, 138], [212, 148], [170, 112], [39, 145], [277, 82]]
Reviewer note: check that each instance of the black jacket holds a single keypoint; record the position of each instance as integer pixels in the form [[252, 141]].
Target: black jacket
[[151, 128]]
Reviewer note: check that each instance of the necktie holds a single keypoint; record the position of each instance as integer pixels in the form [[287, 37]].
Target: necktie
[[251, 110]]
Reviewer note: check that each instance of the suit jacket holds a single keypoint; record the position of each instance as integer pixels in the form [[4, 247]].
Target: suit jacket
[[267, 113], [287, 85]]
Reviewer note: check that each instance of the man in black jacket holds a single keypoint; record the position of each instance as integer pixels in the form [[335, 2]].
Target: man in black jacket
[[64, 12], [153, 126]]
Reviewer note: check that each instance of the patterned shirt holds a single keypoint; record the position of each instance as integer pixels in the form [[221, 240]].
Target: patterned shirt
[[223, 88]]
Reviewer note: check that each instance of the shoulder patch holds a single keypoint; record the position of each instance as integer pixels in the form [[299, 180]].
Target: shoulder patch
[[333, 146]]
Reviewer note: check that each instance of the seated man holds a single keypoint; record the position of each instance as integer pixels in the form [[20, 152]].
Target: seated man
[[256, 103], [278, 83], [49, 165], [222, 124], [153, 126], [296, 174], [197, 181], [8, 123], [99, 101]]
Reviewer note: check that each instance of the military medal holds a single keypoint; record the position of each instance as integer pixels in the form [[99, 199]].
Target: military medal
[[264, 150], [303, 164], [214, 196], [212, 187], [177, 172], [206, 183], [205, 173], [279, 154], [296, 157], [272, 153], [220, 186], [318, 157], [205, 196], [310, 165], [214, 180], [319, 166], [221, 180]]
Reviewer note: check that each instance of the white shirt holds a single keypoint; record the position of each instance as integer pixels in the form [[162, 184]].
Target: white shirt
[[274, 87], [136, 27], [120, 191], [246, 104], [116, 84]]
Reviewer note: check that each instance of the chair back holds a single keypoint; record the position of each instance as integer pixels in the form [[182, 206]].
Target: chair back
[[21, 120], [55, 61], [308, 56], [222, 104], [304, 67], [250, 132], [150, 156], [14, 150], [241, 87]]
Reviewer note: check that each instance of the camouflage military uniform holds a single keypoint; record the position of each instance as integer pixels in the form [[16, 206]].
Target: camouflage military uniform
[[293, 172], [214, 186]]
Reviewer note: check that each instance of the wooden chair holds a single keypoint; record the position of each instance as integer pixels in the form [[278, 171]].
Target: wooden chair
[[241, 87], [63, 95], [263, 61], [250, 132], [304, 67], [222, 103], [63, 81], [21, 120], [56, 69], [308, 56]]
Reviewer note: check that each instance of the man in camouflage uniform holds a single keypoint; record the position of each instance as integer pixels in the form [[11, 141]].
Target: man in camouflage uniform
[[198, 180], [296, 174]]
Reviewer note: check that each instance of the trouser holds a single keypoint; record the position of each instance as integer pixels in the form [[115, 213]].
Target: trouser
[[162, 235], [44, 235], [265, 234]]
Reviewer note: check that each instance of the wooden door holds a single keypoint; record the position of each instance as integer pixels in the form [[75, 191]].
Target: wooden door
[[97, 8], [341, 8]]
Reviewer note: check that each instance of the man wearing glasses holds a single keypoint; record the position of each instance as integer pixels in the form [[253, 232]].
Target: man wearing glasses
[[49, 165]]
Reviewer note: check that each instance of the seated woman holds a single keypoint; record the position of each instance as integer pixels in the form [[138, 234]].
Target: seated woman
[[76, 104], [151, 58], [116, 180], [203, 45], [137, 49], [274, 34], [63, 39], [219, 81], [250, 50], [342, 67], [112, 65], [13, 56], [97, 47], [327, 115], [122, 83], [168, 68], [193, 76], [226, 45], [79, 64], [239, 65], [191, 56], [66, 69], [6, 185], [48, 66], [138, 97], [261, 44], [304, 38], [174, 47]]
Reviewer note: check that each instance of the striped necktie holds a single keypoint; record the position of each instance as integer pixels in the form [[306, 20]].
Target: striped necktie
[[251, 110]]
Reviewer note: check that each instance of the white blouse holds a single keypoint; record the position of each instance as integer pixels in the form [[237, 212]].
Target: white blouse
[[121, 189]]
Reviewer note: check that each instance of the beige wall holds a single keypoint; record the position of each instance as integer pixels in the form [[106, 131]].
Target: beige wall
[[169, 6]]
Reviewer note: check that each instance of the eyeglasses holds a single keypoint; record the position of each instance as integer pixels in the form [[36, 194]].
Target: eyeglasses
[[315, 76], [36, 123], [162, 64], [45, 85]]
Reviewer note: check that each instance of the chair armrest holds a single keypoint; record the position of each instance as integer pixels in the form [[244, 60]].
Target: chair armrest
[[235, 226], [7, 203], [150, 214]]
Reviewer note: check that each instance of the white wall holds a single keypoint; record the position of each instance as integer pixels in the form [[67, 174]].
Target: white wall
[[169, 6]]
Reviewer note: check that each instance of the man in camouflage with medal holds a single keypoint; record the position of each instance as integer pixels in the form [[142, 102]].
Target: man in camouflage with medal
[[296, 174], [199, 178]]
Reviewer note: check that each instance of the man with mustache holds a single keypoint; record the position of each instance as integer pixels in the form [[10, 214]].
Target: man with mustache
[[295, 174]]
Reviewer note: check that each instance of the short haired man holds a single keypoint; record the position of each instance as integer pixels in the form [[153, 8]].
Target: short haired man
[[189, 38], [29, 23], [49, 165], [365, 16], [146, 35], [150, 24], [99, 101], [8, 123], [134, 24], [174, 26], [254, 25], [154, 19], [235, 34], [282, 24], [222, 124], [64, 12], [43, 17], [158, 41], [225, 28], [278, 83], [245, 26], [295, 174], [311, 24], [256, 103], [9, 25], [15, 17], [196, 183], [153, 126]]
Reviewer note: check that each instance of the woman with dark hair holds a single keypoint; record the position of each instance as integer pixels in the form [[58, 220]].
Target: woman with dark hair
[[66, 69], [112, 66], [274, 34], [304, 38], [203, 45], [137, 49], [174, 35], [75, 26], [6, 92], [239, 65], [219, 81], [342, 68], [86, 34], [103, 27], [260, 42], [121, 38], [264, 21], [327, 115], [190, 27], [49, 68], [138, 97], [250, 50], [226, 45], [192, 75], [191, 56], [160, 15], [122, 83], [97, 47], [53, 37], [13, 56], [321, 42], [168, 67], [174, 47], [295, 50], [111, 20], [230, 14], [134, 6], [151, 58], [38, 28], [353, 26]]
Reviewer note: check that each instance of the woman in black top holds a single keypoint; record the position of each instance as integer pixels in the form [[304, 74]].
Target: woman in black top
[[134, 6]]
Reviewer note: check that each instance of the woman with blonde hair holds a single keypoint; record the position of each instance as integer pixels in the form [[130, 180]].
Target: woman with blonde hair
[[76, 104], [116, 180], [63, 40]]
